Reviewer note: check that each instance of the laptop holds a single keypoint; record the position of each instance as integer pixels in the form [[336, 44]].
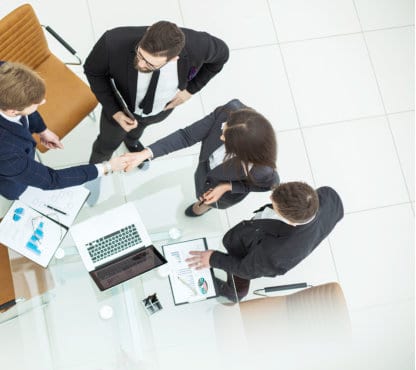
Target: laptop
[[115, 246]]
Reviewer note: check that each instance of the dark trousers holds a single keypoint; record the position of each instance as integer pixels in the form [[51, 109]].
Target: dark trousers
[[112, 135], [235, 288]]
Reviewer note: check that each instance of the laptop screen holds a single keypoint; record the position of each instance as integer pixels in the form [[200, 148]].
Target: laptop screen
[[127, 267]]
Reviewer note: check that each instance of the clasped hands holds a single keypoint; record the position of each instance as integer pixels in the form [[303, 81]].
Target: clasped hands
[[128, 124]]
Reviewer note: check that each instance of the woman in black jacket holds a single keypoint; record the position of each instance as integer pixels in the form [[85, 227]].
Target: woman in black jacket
[[238, 155]]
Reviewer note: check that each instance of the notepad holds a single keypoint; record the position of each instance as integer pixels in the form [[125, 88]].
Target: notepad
[[188, 285], [36, 224], [62, 205]]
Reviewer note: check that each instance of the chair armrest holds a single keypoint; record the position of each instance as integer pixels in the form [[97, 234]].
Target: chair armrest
[[64, 44], [281, 287]]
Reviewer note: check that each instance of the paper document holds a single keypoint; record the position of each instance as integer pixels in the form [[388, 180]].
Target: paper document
[[188, 285], [35, 224], [30, 234], [62, 205]]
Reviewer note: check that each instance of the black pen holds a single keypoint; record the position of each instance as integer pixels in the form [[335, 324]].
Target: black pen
[[203, 200], [55, 209]]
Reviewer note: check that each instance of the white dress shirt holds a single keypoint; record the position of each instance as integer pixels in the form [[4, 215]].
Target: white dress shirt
[[166, 89]]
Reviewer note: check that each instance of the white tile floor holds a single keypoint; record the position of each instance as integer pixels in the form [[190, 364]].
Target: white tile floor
[[336, 78]]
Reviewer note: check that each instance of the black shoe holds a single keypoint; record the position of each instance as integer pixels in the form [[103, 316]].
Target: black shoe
[[136, 147], [223, 289], [144, 166], [190, 212]]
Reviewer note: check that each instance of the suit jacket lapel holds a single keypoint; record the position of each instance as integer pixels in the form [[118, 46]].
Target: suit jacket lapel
[[183, 68], [132, 75], [16, 129]]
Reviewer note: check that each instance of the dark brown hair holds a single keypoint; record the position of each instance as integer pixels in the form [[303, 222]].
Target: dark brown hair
[[296, 201], [20, 87], [251, 138], [163, 39]]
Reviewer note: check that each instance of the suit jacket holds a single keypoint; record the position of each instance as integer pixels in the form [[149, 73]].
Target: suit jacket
[[268, 247], [113, 57], [208, 131], [18, 169]]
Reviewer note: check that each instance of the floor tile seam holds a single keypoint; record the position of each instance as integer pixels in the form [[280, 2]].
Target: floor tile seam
[[383, 103], [333, 258], [94, 33], [328, 123], [345, 34], [378, 207], [385, 304], [317, 38], [181, 12], [292, 97], [361, 118]]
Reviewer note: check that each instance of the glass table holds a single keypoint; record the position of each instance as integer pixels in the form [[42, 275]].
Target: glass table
[[62, 328]]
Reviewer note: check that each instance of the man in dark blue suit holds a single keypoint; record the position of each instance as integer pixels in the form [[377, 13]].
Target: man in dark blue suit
[[21, 93]]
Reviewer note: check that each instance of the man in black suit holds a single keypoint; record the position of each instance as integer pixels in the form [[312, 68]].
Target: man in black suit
[[155, 69], [276, 239]]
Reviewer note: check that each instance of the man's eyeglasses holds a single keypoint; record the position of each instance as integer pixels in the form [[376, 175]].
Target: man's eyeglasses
[[149, 65]]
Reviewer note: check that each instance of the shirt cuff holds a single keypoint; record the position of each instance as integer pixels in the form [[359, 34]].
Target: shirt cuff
[[100, 169], [151, 153]]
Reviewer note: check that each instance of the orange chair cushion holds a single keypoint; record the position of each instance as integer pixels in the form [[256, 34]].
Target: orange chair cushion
[[68, 99]]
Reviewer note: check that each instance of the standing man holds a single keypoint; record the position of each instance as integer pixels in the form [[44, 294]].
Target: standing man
[[155, 69], [276, 239]]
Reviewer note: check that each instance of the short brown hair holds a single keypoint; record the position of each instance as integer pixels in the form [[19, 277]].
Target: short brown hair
[[163, 39], [20, 87], [296, 201]]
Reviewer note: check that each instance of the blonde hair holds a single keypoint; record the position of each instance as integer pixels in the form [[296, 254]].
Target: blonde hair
[[20, 87]]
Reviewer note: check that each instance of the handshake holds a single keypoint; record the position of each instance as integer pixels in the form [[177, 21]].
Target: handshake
[[129, 161]]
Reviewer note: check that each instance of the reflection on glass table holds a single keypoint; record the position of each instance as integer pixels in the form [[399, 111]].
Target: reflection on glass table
[[69, 324]]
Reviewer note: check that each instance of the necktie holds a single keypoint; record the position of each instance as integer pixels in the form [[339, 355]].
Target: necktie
[[24, 121], [147, 103]]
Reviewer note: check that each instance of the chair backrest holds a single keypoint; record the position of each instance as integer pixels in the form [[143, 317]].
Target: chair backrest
[[68, 99], [28, 47]]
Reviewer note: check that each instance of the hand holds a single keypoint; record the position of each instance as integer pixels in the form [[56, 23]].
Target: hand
[[118, 163], [126, 123], [213, 195], [134, 159], [199, 260], [50, 140], [180, 98]]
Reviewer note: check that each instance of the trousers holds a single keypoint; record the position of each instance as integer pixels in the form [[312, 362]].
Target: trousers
[[112, 135]]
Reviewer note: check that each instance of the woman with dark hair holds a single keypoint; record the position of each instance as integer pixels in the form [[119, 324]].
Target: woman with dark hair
[[238, 155]]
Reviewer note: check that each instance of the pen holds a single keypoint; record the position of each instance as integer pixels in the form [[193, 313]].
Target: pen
[[55, 209], [203, 200], [187, 285]]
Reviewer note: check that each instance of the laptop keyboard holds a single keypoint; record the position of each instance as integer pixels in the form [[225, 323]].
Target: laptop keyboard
[[113, 243]]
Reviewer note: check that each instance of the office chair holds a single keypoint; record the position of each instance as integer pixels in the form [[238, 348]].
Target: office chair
[[68, 99], [265, 330], [7, 292]]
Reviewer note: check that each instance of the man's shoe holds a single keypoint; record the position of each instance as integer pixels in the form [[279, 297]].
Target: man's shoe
[[133, 148]]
